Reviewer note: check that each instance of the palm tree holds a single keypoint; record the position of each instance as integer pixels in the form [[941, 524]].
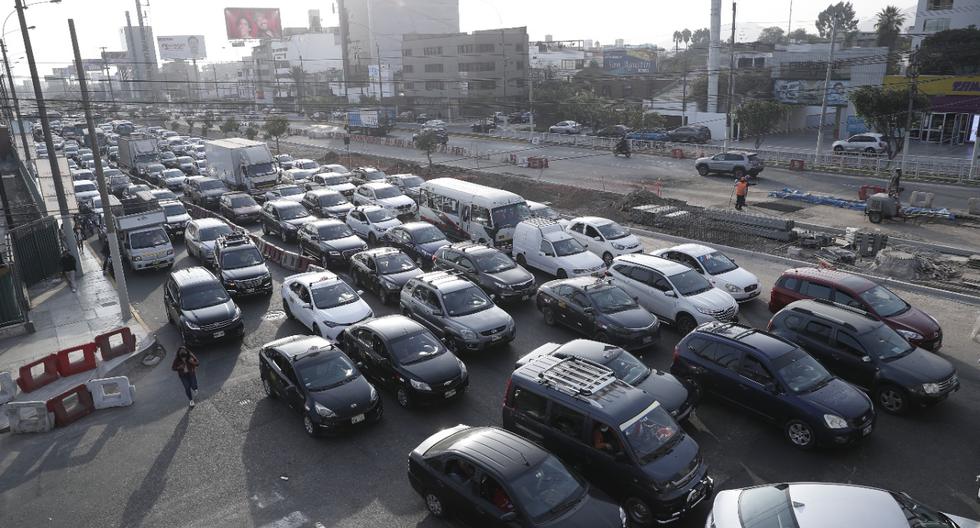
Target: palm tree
[[678, 37], [889, 27], [298, 74], [686, 35]]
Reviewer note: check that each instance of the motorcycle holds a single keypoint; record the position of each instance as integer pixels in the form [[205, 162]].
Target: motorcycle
[[622, 148]]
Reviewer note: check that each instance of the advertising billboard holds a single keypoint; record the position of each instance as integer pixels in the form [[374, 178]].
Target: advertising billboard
[[252, 23], [810, 92], [182, 47], [630, 60]]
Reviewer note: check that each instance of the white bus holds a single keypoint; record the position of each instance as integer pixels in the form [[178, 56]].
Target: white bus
[[469, 211]]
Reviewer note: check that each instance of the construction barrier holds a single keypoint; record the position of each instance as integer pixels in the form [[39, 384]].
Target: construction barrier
[[111, 392], [29, 383], [8, 389], [71, 405], [108, 350], [29, 417], [272, 252], [796, 164], [304, 264], [67, 367], [677, 153], [289, 260]]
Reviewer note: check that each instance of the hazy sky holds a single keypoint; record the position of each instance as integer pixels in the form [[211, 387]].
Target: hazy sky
[[98, 22]]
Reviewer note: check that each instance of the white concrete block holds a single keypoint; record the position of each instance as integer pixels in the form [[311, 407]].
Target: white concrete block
[[8, 389], [29, 417], [111, 392]]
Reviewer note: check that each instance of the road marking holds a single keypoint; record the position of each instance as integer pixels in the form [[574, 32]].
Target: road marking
[[293, 520]]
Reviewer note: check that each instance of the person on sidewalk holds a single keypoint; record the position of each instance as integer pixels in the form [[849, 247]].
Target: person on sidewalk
[[741, 191], [186, 366], [79, 236], [105, 255], [68, 268]]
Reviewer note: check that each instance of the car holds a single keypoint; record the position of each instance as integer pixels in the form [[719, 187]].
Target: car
[[201, 166], [543, 210], [317, 379], [867, 143], [116, 181], [334, 167], [544, 244], [186, 164], [489, 268], [153, 172], [457, 311], [285, 191], [488, 477], [599, 310], [648, 134], [612, 131], [565, 127], [239, 207], [334, 181], [326, 203], [362, 175], [206, 191], [734, 162], [624, 440], [284, 218], [383, 271], [409, 184], [370, 222], [84, 189], [675, 293], [773, 378], [323, 303], [200, 236], [519, 117], [284, 161], [329, 241], [82, 174], [161, 194], [690, 134], [197, 303], [434, 123], [387, 196], [301, 170], [169, 160], [176, 217], [865, 351], [240, 266], [173, 179], [418, 240], [440, 135], [400, 355], [603, 237], [827, 504], [720, 270], [135, 188], [916, 326], [484, 126]]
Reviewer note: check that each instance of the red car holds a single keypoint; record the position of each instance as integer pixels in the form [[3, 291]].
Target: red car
[[916, 326]]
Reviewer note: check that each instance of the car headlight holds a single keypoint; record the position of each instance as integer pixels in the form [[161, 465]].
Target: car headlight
[[330, 324], [191, 325], [374, 394], [622, 516], [834, 422], [579, 271], [334, 253], [732, 288], [468, 335], [137, 258], [705, 310], [502, 285], [170, 252], [238, 313], [388, 284], [420, 385], [323, 411], [909, 335], [462, 368], [930, 388], [618, 246]]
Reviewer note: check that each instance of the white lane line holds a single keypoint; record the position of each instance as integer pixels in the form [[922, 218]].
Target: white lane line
[[293, 520]]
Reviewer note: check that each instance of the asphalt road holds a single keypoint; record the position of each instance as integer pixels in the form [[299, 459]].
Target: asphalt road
[[240, 459]]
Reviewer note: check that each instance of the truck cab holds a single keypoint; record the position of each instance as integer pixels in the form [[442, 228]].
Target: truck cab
[[145, 243]]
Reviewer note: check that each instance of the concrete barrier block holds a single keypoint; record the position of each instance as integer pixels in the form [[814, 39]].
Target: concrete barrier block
[[29, 417], [111, 392], [8, 389], [30, 379]]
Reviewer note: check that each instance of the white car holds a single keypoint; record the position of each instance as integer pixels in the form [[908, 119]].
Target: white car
[[565, 127], [385, 195], [292, 193], [720, 270], [82, 174], [603, 237], [543, 210], [869, 143], [302, 169], [334, 167], [85, 189], [322, 302], [173, 179], [200, 236], [544, 245], [370, 222], [672, 291], [335, 181]]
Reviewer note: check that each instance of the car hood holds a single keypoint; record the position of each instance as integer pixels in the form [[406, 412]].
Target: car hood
[[301, 174], [292, 198], [338, 210], [214, 192], [299, 221], [342, 188], [350, 399], [396, 201], [840, 398], [343, 244], [628, 241], [430, 247], [583, 260], [435, 371], [178, 218], [923, 366], [252, 209], [714, 299], [515, 275], [488, 319], [387, 224], [345, 314], [634, 318], [248, 272], [737, 277], [679, 462], [916, 320], [211, 314], [595, 510], [963, 522], [207, 249], [401, 278], [667, 389]]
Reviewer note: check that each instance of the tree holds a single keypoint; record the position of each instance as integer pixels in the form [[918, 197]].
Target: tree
[[701, 38], [888, 26], [175, 124], [678, 37], [208, 123], [839, 15], [886, 111], [950, 52], [251, 132], [752, 84], [427, 141], [758, 118], [229, 125], [276, 127], [686, 37], [298, 75], [772, 35]]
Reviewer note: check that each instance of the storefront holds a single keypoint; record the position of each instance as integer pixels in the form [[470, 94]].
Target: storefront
[[954, 109]]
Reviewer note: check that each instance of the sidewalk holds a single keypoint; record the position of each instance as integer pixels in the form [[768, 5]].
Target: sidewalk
[[807, 141]]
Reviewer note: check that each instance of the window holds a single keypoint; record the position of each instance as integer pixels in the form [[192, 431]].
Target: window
[[566, 421], [932, 25], [449, 205], [591, 232], [719, 354], [529, 403], [793, 322], [790, 283], [818, 332], [433, 68], [546, 248], [847, 300], [433, 85], [432, 50], [482, 85], [477, 66], [754, 370], [939, 5], [578, 228], [407, 52], [485, 48], [850, 345], [520, 83], [480, 215], [408, 68], [579, 299], [464, 48], [816, 290]]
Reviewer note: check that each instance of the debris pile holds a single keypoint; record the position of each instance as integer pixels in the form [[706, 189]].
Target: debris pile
[[910, 264]]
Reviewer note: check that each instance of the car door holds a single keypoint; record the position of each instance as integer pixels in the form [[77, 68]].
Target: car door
[[358, 342], [543, 258], [577, 231], [758, 390], [171, 301], [301, 304], [291, 392], [358, 223], [492, 502], [428, 309], [529, 413], [456, 482], [852, 361], [715, 371], [308, 240], [566, 434], [273, 374], [468, 268], [816, 337], [190, 240], [661, 295], [562, 295], [717, 162], [593, 240], [579, 313], [370, 275]]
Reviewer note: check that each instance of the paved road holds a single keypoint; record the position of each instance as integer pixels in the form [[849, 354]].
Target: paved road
[[239, 459]]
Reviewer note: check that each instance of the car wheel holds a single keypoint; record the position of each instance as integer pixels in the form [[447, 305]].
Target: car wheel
[[685, 324], [875, 217], [268, 388], [870, 151], [549, 316], [561, 274], [521, 260], [638, 511], [702, 170], [434, 504], [800, 434], [838, 149], [739, 172], [285, 308], [308, 425], [892, 399], [607, 258], [403, 398]]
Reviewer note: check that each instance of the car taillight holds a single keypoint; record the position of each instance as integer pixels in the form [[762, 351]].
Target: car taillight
[[507, 396], [677, 352]]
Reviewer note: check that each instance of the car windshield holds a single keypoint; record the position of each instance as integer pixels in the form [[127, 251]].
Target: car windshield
[[394, 263], [208, 185], [919, 515], [175, 209], [148, 239], [334, 231], [612, 300], [208, 234], [325, 370], [163, 194], [887, 343], [241, 258], [884, 302], [428, 234], [96, 203], [332, 199], [415, 348], [173, 173], [509, 215], [185, 160], [308, 164], [651, 433], [626, 366], [242, 201], [613, 231], [690, 283], [494, 262], [717, 263], [85, 187], [800, 372], [467, 301], [155, 168], [412, 181], [285, 157], [767, 507], [293, 212], [548, 490], [291, 190], [334, 180], [333, 295], [202, 296], [379, 215], [387, 192], [567, 246]]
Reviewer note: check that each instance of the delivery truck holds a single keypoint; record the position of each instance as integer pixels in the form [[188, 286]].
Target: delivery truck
[[371, 121], [243, 164], [136, 153]]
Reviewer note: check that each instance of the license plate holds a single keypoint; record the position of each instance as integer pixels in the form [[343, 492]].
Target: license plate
[[451, 393], [357, 419], [220, 333], [866, 430], [496, 337]]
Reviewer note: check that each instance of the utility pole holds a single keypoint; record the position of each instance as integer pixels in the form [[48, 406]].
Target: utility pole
[[108, 76], [731, 86], [381, 86], [13, 96], [912, 74], [826, 87], [110, 221], [8, 114], [149, 66], [789, 24], [59, 185], [131, 47], [344, 43]]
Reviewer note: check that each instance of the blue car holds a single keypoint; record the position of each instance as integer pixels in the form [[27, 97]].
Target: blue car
[[776, 380], [648, 135], [418, 240]]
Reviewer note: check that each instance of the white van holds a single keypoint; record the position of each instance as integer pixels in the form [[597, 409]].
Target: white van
[[469, 211], [543, 244]]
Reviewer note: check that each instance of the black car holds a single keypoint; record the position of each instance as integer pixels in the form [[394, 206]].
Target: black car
[[487, 267], [362, 175], [198, 304], [418, 240], [690, 134], [440, 135], [169, 160], [865, 351], [240, 266], [384, 271], [317, 379], [284, 218], [491, 478], [205, 191], [776, 380], [614, 131], [600, 310], [330, 241], [326, 203], [484, 126], [239, 207], [403, 356]]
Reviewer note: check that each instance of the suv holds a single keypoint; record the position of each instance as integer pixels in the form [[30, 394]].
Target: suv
[[419, 240], [603, 237], [690, 134], [565, 127], [409, 184], [200, 237], [734, 162], [868, 143], [456, 310], [196, 302], [487, 267], [326, 203], [206, 191], [718, 268], [383, 270], [284, 218], [916, 326], [624, 438], [177, 217], [331, 180], [672, 291], [362, 175], [240, 266], [868, 353], [775, 379], [388, 196], [239, 207], [329, 241]]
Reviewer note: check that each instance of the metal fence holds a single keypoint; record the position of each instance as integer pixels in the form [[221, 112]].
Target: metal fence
[[37, 249]]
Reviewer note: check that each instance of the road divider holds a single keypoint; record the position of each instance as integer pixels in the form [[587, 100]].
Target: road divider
[[30, 381], [111, 392], [8, 389], [69, 367], [29, 417], [109, 348], [71, 405]]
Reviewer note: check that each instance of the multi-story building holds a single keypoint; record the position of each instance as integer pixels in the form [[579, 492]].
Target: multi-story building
[[938, 15], [284, 71]]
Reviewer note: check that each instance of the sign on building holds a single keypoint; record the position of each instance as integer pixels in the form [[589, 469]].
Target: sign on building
[[182, 47], [810, 92]]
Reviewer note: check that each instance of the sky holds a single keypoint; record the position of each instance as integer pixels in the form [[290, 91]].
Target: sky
[[98, 22]]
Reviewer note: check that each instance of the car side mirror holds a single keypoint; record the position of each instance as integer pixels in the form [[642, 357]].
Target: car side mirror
[[597, 238], [670, 293], [308, 306], [865, 359]]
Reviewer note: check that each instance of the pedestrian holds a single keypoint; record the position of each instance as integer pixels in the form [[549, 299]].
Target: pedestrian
[[186, 366], [79, 236], [741, 191], [68, 268], [105, 255]]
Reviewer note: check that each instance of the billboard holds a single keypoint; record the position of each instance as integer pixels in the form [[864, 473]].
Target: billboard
[[810, 92], [629, 60], [252, 23], [181, 47]]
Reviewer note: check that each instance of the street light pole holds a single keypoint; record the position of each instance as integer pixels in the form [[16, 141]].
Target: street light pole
[[13, 95], [826, 87], [912, 72]]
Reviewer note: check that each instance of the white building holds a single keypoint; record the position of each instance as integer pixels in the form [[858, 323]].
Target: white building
[[938, 15], [378, 25]]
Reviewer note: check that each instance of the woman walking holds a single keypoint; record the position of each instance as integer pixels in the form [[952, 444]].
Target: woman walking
[[186, 366]]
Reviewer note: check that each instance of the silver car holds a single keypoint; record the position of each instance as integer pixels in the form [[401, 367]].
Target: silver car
[[565, 127], [734, 162], [868, 143]]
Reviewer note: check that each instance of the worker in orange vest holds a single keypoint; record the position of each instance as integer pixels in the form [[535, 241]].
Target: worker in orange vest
[[741, 190]]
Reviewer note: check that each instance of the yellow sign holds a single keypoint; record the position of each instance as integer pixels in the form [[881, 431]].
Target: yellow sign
[[939, 84]]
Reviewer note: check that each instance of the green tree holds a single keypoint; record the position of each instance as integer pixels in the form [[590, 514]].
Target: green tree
[[678, 37], [229, 125], [175, 125], [886, 111], [950, 52], [276, 127], [207, 123], [251, 133], [427, 141], [758, 118], [701, 38], [298, 75], [772, 35], [888, 26], [686, 37], [753, 84], [839, 15]]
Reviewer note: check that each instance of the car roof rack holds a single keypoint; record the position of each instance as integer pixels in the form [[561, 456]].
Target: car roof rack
[[235, 238], [599, 282], [436, 278], [538, 221], [835, 320], [574, 376]]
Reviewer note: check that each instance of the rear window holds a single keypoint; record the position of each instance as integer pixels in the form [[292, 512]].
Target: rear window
[[790, 283], [767, 507]]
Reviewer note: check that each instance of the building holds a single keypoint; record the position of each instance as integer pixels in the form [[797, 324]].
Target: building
[[221, 80], [180, 81], [466, 74], [561, 60], [954, 108], [938, 15], [141, 54], [284, 71]]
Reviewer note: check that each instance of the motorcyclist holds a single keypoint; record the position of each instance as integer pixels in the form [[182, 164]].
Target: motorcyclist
[[623, 145]]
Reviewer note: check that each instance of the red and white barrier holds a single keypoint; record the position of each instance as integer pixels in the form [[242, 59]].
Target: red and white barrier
[[67, 367], [8, 389], [71, 405], [108, 349], [111, 392], [29, 382]]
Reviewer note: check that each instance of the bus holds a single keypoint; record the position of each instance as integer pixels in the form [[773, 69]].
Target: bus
[[470, 211]]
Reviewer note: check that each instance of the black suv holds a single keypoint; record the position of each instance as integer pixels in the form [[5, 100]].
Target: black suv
[[330, 241], [865, 351], [419, 240], [315, 378], [625, 440], [326, 203], [241, 266], [600, 310], [206, 191], [690, 134], [198, 304], [384, 271], [492, 478], [284, 218], [487, 267]]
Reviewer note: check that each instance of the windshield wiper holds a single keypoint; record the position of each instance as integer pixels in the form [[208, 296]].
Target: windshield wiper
[[820, 384], [562, 507]]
